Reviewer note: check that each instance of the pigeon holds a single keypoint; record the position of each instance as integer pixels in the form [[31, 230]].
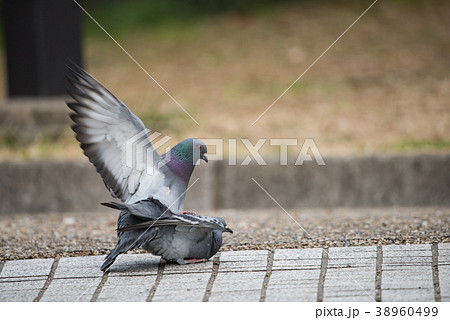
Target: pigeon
[[150, 186], [185, 237]]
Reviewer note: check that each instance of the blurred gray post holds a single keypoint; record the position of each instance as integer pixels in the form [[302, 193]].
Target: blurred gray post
[[41, 36]]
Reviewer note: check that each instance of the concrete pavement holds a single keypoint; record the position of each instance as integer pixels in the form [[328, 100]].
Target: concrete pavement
[[371, 273]]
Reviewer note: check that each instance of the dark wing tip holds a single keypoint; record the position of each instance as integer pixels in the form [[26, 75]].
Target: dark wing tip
[[109, 205]]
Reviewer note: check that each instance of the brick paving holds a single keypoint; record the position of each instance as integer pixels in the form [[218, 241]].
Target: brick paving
[[384, 273]]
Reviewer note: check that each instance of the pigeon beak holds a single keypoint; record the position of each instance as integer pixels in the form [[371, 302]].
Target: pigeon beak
[[228, 230], [205, 157]]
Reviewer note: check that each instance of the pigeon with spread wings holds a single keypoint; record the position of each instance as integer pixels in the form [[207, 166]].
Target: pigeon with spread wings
[[152, 192]]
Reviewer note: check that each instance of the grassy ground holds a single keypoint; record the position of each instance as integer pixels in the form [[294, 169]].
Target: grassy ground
[[383, 88]]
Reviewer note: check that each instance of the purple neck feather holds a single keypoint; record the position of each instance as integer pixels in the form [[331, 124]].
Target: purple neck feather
[[180, 166]]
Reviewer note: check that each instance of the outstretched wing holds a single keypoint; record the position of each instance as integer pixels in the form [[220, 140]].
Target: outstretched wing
[[192, 220], [117, 143]]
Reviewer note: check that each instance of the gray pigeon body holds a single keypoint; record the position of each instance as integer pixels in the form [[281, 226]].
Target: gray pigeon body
[[179, 238], [151, 186]]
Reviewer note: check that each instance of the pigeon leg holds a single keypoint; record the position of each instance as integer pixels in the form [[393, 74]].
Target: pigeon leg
[[195, 260]]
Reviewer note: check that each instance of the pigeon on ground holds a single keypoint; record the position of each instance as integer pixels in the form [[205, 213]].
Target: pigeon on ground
[[152, 192]]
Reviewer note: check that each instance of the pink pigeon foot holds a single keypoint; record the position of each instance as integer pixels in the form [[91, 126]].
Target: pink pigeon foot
[[195, 260], [186, 212]]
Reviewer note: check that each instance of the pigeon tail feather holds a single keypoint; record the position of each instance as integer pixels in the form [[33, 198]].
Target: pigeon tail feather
[[128, 240], [149, 209]]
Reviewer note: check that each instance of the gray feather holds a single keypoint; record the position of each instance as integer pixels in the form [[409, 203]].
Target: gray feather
[[150, 209], [128, 240], [191, 220], [103, 126]]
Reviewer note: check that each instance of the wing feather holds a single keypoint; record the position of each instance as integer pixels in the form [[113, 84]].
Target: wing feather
[[103, 125], [192, 220]]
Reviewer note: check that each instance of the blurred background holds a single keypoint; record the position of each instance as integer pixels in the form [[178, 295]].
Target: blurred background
[[377, 105], [383, 88]]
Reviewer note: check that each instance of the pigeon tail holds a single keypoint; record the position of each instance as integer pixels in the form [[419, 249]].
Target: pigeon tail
[[128, 241], [114, 205], [149, 209], [110, 258]]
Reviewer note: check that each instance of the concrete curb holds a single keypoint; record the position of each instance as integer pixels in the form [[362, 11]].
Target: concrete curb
[[422, 180], [23, 119]]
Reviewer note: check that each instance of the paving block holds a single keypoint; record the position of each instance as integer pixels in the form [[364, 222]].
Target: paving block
[[407, 273], [444, 253], [21, 289], [135, 264], [75, 279], [237, 286], [240, 276], [350, 274], [237, 296], [26, 268], [23, 295], [250, 260], [71, 289], [79, 267], [293, 285], [22, 280], [182, 287], [364, 254], [126, 288], [285, 259], [295, 275], [444, 270], [202, 267]]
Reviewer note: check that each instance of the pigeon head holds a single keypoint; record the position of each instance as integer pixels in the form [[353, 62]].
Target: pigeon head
[[181, 159], [199, 150], [217, 238], [222, 221]]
